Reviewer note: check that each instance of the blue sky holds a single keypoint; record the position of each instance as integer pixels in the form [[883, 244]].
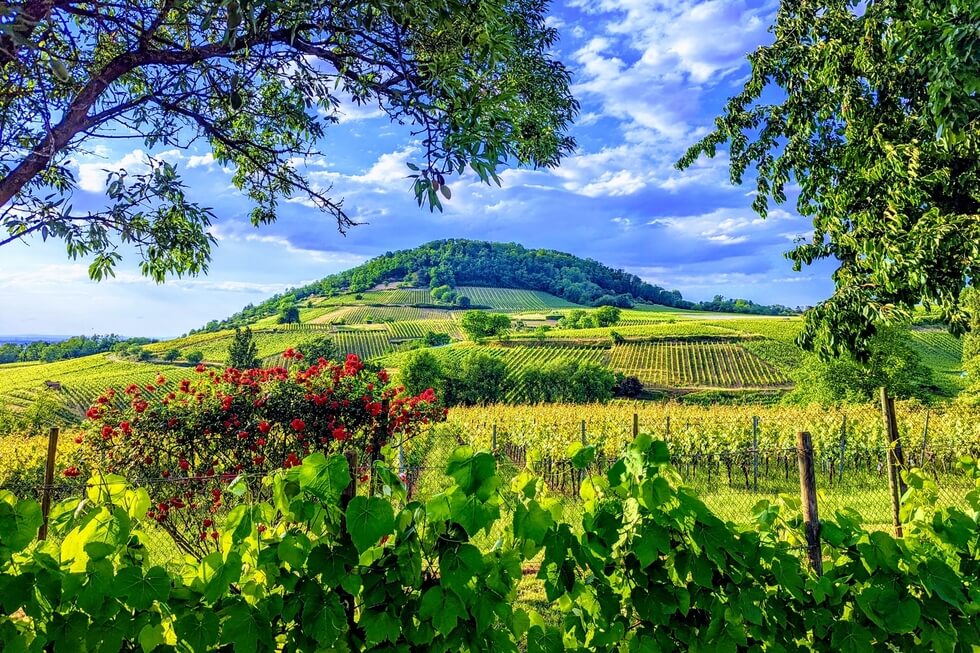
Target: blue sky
[[650, 76]]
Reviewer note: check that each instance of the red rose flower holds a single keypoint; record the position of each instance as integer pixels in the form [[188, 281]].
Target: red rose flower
[[263, 427], [71, 472], [298, 424]]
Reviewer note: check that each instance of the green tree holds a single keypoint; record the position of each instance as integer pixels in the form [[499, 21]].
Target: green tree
[[289, 315], [433, 339], [891, 363], [481, 324], [194, 357], [319, 347], [243, 354], [478, 379], [607, 315], [171, 355], [258, 82], [873, 113], [420, 372]]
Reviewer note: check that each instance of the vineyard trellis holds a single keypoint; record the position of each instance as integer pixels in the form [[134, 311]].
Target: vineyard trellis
[[693, 364]]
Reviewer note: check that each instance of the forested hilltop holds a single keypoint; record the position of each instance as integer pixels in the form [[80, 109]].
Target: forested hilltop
[[460, 262]]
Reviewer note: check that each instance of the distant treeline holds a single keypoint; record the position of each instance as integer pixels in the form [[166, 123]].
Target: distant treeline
[[73, 347], [460, 262]]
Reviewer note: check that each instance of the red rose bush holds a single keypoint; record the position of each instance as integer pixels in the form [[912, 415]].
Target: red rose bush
[[187, 441]]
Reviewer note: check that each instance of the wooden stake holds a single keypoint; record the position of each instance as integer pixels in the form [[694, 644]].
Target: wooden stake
[[48, 481], [808, 496], [636, 425], [896, 486]]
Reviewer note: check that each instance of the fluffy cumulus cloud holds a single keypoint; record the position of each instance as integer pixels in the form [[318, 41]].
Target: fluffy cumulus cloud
[[651, 75]]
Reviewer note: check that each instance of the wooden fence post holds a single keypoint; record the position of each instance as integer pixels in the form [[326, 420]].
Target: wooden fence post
[[493, 440], [636, 425], [896, 460], [808, 496], [755, 454], [48, 481], [351, 490]]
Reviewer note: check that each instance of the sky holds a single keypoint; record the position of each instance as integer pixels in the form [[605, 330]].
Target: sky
[[650, 75]]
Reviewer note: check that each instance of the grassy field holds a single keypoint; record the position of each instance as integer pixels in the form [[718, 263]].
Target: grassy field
[[669, 350]]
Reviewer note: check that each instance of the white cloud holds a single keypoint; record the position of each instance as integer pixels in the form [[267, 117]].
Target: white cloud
[[200, 161], [319, 256], [92, 176], [651, 63]]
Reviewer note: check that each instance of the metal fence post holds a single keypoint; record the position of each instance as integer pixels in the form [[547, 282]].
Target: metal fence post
[[808, 496], [48, 481]]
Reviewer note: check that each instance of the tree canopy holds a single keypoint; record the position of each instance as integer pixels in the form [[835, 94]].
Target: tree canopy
[[257, 82], [871, 109]]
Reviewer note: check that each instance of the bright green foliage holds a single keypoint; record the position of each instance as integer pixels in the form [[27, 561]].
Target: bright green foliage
[[876, 118], [194, 356], [242, 353], [259, 83], [650, 569], [318, 347], [420, 371], [289, 315], [891, 363], [567, 381], [480, 324], [476, 379]]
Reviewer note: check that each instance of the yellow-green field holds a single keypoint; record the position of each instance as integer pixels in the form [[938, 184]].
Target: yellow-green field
[[669, 350]]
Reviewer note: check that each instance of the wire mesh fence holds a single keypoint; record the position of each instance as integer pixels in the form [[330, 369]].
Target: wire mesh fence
[[731, 462]]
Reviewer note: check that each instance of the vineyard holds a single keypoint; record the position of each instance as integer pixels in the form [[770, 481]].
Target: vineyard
[[667, 350], [678, 329], [81, 379], [368, 314], [510, 299], [405, 330], [694, 364]]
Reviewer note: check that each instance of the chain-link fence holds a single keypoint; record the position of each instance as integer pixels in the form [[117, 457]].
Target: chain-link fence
[[850, 458], [732, 462]]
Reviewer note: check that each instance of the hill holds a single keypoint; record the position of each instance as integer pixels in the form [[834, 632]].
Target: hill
[[464, 267], [382, 310]]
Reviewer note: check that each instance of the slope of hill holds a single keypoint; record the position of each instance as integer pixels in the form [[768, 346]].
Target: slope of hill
[[471, 267], [669, 350]]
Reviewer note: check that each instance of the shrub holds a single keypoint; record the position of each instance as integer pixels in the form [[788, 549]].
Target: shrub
[[194, 357], [171, 355], [212, 428]]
